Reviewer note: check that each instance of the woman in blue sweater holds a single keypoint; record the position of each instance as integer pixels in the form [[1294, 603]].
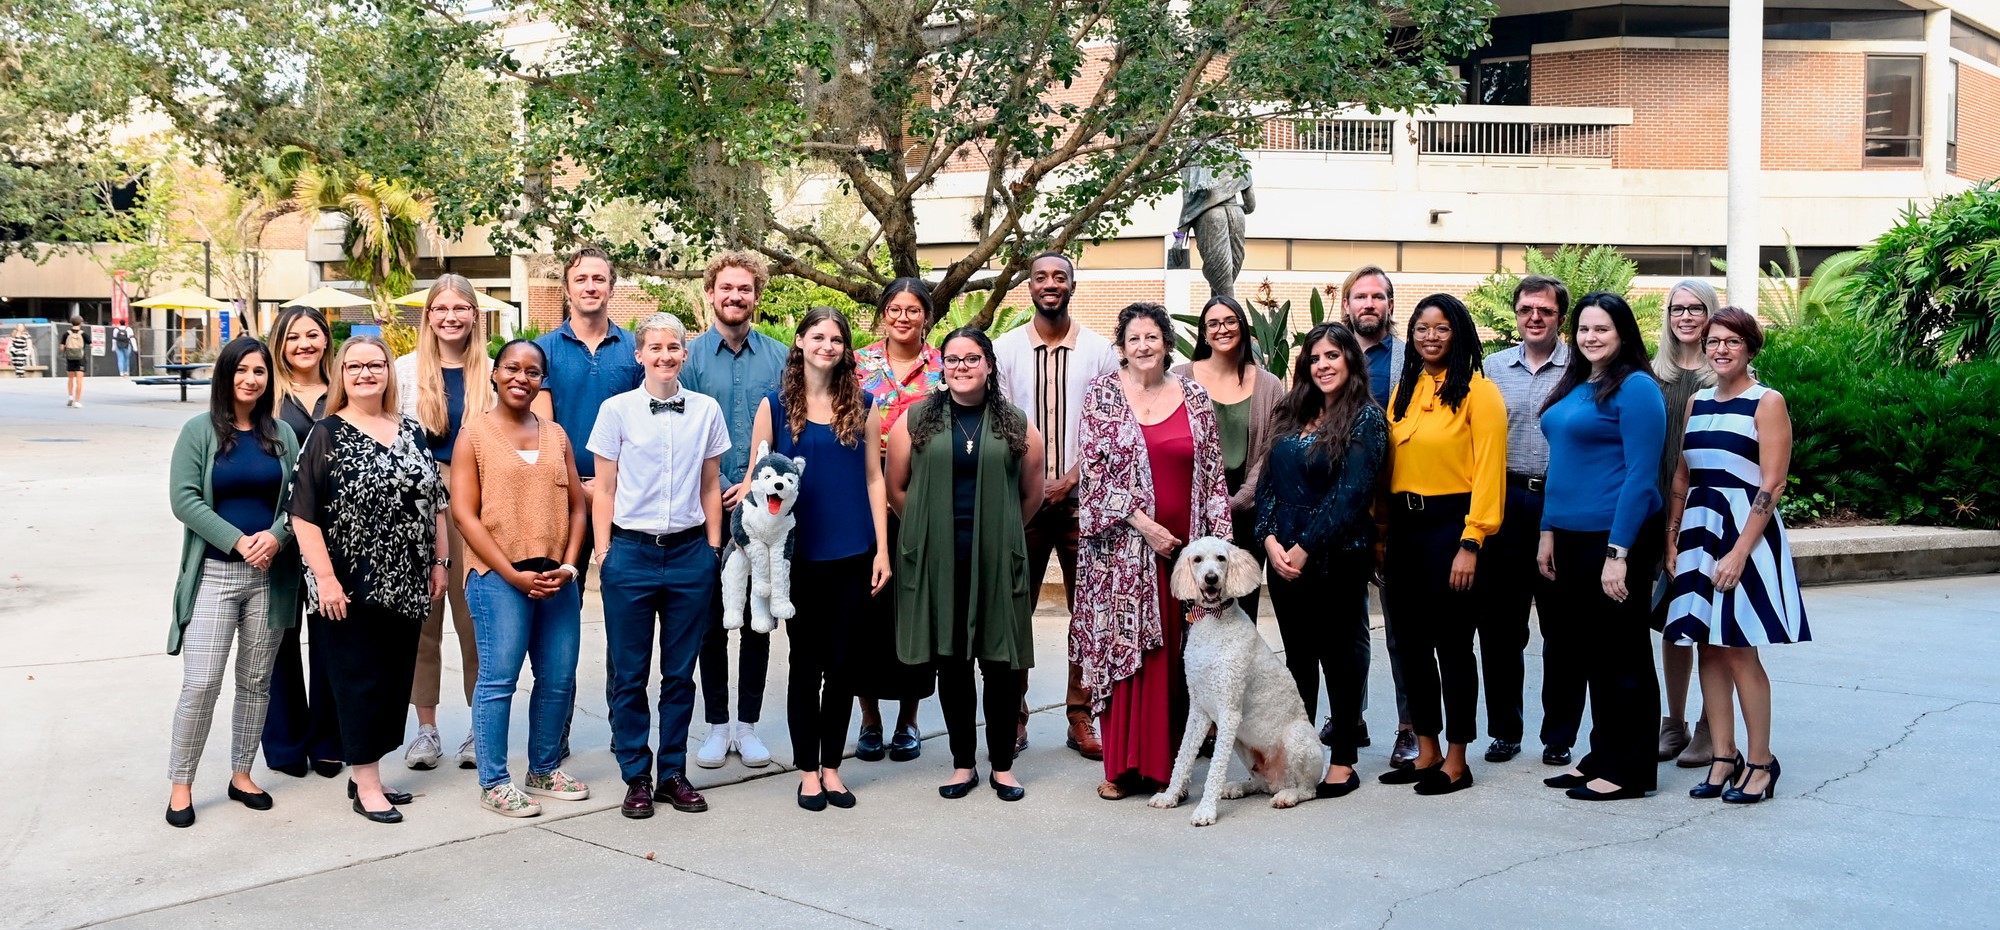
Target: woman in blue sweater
[[1606, 423]]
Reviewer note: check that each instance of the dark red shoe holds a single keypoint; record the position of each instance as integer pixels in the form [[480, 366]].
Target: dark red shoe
[[676, 790], [638, 798]]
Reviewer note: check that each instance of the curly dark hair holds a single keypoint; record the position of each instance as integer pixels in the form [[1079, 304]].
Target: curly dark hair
[[849, 414], [1303, 405], [932, 414], [1461, 358]]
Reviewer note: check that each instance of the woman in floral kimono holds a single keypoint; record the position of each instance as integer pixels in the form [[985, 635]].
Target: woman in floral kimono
[[1151, 480]]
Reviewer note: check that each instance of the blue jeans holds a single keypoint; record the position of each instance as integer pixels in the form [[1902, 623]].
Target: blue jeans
[[643, 584], [510, 627]]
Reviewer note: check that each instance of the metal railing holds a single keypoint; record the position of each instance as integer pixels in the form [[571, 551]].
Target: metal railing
[[1531, 139], [1337, 136]]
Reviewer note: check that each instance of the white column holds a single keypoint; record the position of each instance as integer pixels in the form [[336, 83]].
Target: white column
[[1936, 99], [1746, 146]]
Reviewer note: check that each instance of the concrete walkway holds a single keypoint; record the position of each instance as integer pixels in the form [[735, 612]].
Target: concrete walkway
[[1884, 815]]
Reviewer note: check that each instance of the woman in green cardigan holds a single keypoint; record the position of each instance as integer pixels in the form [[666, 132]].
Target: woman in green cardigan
[[963, 594], [230, 473]]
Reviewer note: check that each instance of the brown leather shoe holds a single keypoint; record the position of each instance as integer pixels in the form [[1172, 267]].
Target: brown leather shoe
[[638, 798], [1083, 736], [678, 791]]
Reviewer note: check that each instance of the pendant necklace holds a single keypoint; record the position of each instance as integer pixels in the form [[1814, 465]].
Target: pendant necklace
[[959, 428]]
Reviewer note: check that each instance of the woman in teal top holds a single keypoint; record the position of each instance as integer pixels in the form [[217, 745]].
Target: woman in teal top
[[228, 481]]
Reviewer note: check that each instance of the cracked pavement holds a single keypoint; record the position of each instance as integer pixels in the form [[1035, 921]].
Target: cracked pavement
[[1883, 814]]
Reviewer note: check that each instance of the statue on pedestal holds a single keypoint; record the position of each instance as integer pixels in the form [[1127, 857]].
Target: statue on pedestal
[[1213, 205]]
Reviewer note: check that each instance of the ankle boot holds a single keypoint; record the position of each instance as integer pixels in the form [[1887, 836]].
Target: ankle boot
[[1699, 749], [1673, 738]]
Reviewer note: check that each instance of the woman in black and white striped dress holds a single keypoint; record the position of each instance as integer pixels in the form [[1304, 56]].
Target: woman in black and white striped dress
[[1734, 586]]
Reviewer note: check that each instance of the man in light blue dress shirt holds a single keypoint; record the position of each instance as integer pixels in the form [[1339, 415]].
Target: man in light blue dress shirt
[[737, 366]]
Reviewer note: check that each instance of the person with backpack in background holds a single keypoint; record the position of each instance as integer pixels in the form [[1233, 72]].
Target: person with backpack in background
[[75, 348], [122, 344]]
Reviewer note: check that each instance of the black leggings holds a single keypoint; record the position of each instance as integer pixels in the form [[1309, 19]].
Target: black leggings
[[1434, 624], [957, 697], [1323, 617], [820, 697]]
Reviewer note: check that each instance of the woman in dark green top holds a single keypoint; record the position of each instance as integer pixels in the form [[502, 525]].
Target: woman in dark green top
[[228, 480], [965, 474]]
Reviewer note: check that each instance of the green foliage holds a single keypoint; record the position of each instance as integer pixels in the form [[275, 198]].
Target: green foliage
[[1930, 286], [1271, 329], [966, 312], [496, 340], [1884, 440], [1582, 270], [1780, 299]]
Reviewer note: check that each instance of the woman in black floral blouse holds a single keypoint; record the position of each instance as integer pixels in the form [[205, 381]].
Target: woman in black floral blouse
[[368, 511]]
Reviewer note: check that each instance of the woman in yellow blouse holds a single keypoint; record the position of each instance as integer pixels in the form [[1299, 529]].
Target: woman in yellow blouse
[[1447, 489]]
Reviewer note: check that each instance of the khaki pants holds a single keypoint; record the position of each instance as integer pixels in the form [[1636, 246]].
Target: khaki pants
[[425, 688]]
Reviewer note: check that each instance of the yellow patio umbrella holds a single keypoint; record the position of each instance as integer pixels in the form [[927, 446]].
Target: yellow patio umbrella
[[486, 302], [189, 302], [329, 298]]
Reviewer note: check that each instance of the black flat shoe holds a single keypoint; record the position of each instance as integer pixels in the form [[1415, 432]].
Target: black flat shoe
[[398, 798], [812, 802], [907, 744], [953, 792], [180, 818], [1438, 783], [1555, 755], [1326, 790], [1566, 781], [391, 815], [1006, 792], [296, 769], [868, 746], [1501, 750], [1708, 789], [841, 799], [1584, 793], [256, 801], [1409, 776], [327, 768]]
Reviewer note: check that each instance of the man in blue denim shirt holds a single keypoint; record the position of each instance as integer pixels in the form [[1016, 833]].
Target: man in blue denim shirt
[[737, 366]]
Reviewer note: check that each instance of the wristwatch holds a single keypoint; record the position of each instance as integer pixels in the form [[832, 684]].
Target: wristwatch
[[1469, 545], [1616, 553], [718, 552], [442, 563]]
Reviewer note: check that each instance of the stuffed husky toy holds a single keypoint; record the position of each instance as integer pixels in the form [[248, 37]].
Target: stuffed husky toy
[[762, 533]]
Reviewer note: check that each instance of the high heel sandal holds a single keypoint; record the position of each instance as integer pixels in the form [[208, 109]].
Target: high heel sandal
[[1708, 789], [1736, 795]]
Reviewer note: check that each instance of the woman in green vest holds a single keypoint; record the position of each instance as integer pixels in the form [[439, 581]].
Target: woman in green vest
[[965, 474]]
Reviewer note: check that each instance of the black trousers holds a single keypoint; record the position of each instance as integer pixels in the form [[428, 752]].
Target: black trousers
[[877, 672], [302, 726], [1614, 646], [1434, 624], [958, 695], [1322, 616], [819, 699], [1510, 582], [753, 664], [372, 658]]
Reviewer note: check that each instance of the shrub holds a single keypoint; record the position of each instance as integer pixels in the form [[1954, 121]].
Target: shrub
[[1931, 285], [1583, 271], [968, 308], [1881, 439]]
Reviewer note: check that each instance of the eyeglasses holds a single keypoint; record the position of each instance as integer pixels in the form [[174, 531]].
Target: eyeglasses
[[963, 361], [378, 369], [450, 311], [1713, 342], [1549, 312], [903, 313], [1222, 325], [516, 371], [1442, 332], [1687, 310]]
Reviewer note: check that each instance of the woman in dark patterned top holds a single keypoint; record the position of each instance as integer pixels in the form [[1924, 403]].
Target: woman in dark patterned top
[[1328, 445], [368, 510]]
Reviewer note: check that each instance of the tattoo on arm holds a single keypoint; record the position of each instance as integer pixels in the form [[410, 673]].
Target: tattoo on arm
[[1762, 505]]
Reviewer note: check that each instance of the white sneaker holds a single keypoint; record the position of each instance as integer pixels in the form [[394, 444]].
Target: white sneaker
[[468, 754], [508, 801], [715, 750], [755, 754], [425, 750]]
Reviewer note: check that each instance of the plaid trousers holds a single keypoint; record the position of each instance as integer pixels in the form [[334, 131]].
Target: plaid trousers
[[233, 600]]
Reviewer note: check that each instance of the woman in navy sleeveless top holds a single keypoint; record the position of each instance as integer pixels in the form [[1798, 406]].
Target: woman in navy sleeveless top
[[841, 559]]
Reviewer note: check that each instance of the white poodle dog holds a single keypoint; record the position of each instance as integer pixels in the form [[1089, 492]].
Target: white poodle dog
[[1237, 683]]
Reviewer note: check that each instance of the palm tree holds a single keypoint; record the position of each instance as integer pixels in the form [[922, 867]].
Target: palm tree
[[385, 217]]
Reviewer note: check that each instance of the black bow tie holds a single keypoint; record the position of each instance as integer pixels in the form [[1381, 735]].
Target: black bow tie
[[677, 405]]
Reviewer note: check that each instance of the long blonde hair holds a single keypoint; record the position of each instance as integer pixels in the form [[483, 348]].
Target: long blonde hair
[[281, 370], [336, 389], [1670, 363], [433, 407]]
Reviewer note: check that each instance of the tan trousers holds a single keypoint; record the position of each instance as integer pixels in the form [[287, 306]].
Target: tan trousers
[[424, 689]]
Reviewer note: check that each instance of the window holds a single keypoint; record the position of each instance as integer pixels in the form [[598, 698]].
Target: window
[[1503, 82], [1975, 41], [1892, 115]]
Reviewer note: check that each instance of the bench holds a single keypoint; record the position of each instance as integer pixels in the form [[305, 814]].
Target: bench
[[183, 382]]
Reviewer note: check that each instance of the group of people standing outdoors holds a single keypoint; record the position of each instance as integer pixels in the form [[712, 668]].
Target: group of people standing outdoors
[[360, 497]]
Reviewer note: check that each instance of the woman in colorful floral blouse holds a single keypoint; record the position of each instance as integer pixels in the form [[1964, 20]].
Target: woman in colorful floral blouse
[[1151, 480], [896, 373]]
